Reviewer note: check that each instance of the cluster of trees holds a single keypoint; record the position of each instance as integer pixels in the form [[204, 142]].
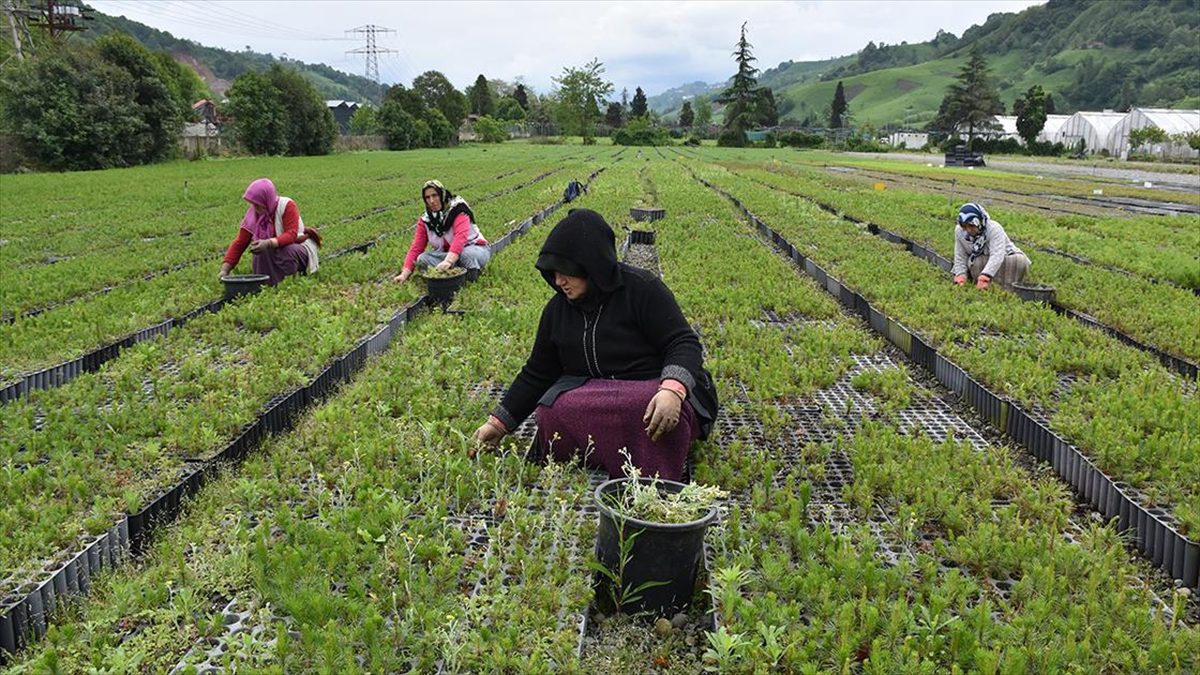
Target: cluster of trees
[[110, 103], [429, 113], [279, 112]]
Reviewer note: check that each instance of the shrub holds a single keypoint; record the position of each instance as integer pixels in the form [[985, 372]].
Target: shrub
[[640, 131], [489, 130], [732, 138], [800, 139]]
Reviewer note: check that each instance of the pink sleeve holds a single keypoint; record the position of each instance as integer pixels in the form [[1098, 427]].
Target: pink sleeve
[[462, 228], [420, 241]]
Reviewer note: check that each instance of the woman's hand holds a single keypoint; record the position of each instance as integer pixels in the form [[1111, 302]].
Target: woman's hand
[[445, 266], [662, 414], [226, 268], [403, 276], [261, 246], [488, 433]]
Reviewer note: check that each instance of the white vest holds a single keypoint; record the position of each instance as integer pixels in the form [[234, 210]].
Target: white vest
[[308, 244]]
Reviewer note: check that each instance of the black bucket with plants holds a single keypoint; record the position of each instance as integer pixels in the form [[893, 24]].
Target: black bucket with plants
[[441, 286], [237, 285], [650, 544]]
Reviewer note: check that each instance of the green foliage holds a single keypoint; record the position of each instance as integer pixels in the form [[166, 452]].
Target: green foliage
[[261, 124], [837, 108], [687, 116], [490, 130], [1031, 118], [1145, 136], [972, 100], [637, 107], [509, 109], [741, 97], [640, 131], [229, 65], [732, 138], [397, 126], [185, 85], [439, 94], [480, 97], [280, 112], [614, 115], [579, 92], [365, 121], [158, 111], [109, 103], [703, 111], [800, 139], [442, 134]]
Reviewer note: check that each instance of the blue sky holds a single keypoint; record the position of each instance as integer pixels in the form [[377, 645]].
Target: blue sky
[[655, 45]]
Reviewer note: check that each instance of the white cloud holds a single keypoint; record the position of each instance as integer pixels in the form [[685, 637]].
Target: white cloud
[[655, 45]]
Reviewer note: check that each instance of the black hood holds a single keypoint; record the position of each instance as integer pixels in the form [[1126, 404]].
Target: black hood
[[582, 240]]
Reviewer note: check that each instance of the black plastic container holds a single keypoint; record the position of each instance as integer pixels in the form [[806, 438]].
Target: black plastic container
[[642, 215], [1034, 292], [441, 290], [645, 237], [661, 552], [237, 285]]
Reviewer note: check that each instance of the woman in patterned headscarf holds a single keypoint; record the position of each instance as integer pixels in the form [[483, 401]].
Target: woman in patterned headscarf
[[448, 225], [274, 232], [983, 249]]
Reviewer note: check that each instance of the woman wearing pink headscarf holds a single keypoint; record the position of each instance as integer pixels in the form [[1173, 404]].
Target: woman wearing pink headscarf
[[275, 234]]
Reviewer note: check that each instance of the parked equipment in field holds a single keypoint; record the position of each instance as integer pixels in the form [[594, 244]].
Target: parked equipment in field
[[961, 156]]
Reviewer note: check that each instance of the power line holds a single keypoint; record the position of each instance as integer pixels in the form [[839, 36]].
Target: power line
[[371, 51]]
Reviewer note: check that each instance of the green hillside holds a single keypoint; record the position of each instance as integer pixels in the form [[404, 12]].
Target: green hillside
[[219, 67], [1088, 55]]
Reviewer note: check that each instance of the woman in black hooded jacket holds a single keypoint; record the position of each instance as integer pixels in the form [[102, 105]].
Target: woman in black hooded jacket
[[614, 366]]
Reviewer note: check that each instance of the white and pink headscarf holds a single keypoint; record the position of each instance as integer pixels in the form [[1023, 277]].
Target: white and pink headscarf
[[262, 193]]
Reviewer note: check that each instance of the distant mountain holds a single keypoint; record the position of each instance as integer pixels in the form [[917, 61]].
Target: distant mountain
[[1089, 55], [219, 67]]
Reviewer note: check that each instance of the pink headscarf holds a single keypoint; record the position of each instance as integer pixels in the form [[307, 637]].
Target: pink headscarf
[[261, 192]]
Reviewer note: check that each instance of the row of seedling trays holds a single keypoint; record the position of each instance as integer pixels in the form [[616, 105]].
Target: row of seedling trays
[[25, 614], [60, 374], [1154, 529], [1032, 293]]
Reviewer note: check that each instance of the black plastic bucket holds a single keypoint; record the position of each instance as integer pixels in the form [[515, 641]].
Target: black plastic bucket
[[668, 555], [441, 290], [1034, 292], [237, 285]]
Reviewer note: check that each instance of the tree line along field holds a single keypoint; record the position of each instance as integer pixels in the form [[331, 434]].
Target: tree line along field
[[874, 524]]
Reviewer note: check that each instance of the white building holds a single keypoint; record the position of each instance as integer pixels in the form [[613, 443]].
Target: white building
[[911, 140], [1052, 131], [1094, 128], [1175, 123]]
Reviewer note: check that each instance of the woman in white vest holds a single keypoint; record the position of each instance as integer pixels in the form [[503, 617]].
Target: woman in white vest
[[448, 226], [275, 234], [982, 249]]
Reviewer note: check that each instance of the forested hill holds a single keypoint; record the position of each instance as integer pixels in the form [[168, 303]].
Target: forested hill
[[1089, 55], [219, 67]]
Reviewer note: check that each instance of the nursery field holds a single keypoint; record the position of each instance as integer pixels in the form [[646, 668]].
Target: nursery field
[[920, 477]]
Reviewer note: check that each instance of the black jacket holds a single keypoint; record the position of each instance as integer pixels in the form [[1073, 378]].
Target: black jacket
[[628, 327]]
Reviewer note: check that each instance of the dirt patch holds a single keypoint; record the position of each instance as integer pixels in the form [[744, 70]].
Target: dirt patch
[[218, 86], [907, 85], [854, 90]]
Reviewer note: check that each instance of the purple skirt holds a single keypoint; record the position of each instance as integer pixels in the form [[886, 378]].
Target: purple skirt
[[278, 263], [602, 417]]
